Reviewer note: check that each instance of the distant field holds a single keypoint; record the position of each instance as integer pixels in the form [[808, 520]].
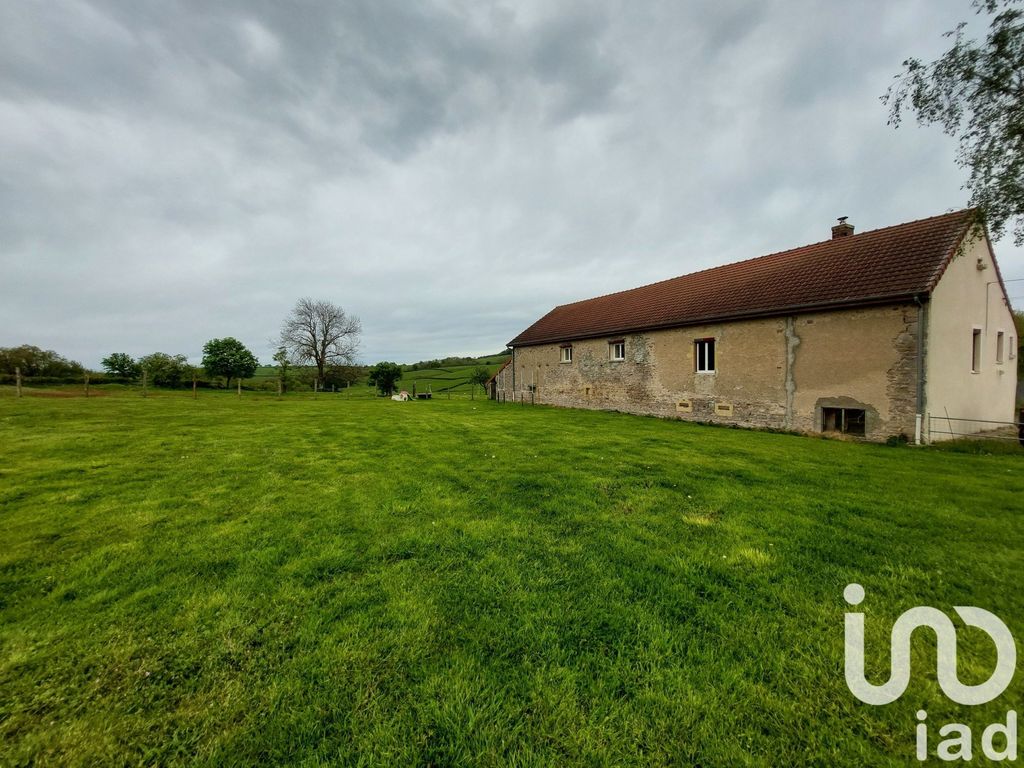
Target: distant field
[[441, 381], [331, 581]]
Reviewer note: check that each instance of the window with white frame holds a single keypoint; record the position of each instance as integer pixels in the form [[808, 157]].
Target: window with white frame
[[705, 355], [617, 350], [566, 353], [976, 350], [1000, 347]]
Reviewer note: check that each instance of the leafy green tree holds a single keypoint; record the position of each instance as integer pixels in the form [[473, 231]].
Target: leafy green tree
[[122, 364], [34, 361], [975, 91], [385, 376], [229, 358], [342, 376], [283, 361], [164, 370], [480, 375]]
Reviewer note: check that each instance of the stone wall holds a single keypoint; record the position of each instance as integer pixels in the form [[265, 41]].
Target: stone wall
[[770, 373]]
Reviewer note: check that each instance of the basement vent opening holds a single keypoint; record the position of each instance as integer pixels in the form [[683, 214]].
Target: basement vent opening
[[848, 421]]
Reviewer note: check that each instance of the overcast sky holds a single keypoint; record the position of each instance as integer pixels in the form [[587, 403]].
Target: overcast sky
[[173, 172]]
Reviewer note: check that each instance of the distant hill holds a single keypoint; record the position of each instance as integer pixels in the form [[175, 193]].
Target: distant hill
[[449, 362], [450, 374]]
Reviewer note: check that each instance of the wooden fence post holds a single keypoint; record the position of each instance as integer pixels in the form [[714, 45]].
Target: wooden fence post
[[239, 386], [144, 383], [279, 387], [195, 393], [17, 379], [87, 384]]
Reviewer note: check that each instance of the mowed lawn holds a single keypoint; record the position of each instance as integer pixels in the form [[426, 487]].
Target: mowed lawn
[[454, 583]]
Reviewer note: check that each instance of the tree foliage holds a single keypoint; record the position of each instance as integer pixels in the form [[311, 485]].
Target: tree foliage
[[320, 333], [228, 357], [122, 364], [385, 376], [34, 361], [480, 375], [975, 91], [283, 361], [342, 376], [165, 370]]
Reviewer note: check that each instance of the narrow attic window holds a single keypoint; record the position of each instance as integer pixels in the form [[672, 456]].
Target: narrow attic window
[[617, 350], [705, 355], [848, 421], [1000, 346], [566, 353], [976, 350]]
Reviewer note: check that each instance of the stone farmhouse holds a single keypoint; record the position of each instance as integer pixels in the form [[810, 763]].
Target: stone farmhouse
[[864, 334]]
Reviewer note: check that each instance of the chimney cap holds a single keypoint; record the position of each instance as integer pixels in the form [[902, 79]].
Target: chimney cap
[[843, 228]]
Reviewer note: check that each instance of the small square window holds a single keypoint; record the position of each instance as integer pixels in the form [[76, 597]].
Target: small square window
[[1000, 347], [567, 353], [705, 355], [976, 350], [617, 350]]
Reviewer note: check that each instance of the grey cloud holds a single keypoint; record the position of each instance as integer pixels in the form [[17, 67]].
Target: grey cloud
[[170, 172]]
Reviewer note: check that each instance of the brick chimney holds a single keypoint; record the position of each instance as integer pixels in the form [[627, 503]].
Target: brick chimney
[[842, 229]]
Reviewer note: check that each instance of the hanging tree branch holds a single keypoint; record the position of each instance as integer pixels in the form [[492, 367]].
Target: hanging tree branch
[[975, 92]]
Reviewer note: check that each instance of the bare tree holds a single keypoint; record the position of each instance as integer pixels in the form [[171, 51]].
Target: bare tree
[[320, 333]]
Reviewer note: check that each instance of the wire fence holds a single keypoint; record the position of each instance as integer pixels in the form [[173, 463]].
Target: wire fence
[[520, 397], [32, 387], [88, 383], [953, 427]]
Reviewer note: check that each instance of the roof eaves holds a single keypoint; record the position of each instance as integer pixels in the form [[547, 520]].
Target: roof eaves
[[495, 375], [754, 314], [970, 221]]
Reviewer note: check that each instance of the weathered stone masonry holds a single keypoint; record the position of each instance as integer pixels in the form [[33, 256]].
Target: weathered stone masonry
[[770, 373]]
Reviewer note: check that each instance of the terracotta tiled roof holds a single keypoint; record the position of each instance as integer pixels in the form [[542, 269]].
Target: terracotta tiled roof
[[891, 264]]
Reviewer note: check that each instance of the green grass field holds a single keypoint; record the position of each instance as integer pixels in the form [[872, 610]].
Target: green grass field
[[361, 582]]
